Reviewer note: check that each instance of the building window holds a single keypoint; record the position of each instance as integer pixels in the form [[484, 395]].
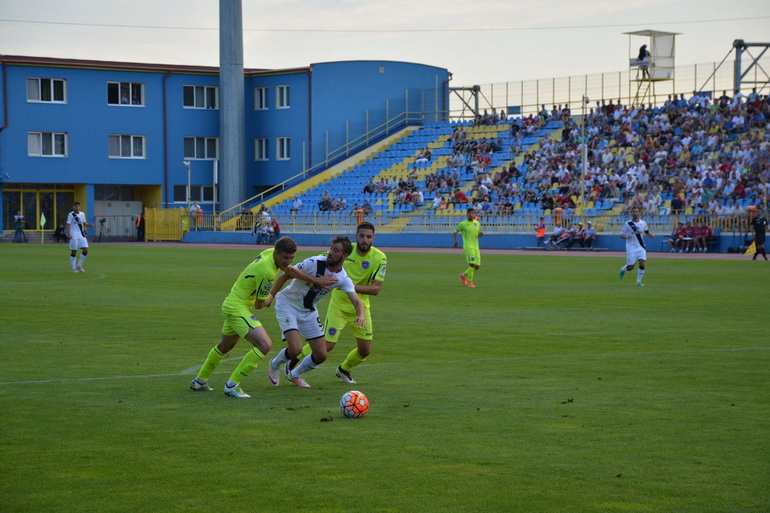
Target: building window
[[126, 146], [261, 149], [203, 148], [201, 97], [199, 193], [283, 101], [125, 93], [283, 148], [46, 90], [46, 144], [260, 98]]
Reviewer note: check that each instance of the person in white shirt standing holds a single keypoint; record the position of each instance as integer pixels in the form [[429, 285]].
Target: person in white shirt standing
[[76, 234], [633, 232]]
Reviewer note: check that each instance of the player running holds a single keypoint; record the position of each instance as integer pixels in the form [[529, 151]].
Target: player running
[[252, 289], [366, 267], [295, 309], [470, 229], [633, 232]]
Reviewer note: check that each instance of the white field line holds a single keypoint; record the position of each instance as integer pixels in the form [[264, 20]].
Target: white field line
[[190, 371]]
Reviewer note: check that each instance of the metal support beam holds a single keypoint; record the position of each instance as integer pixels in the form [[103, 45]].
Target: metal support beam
[[739, 74]]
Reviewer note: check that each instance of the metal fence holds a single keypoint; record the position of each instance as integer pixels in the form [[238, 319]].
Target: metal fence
[[446, 221], [527, 96]]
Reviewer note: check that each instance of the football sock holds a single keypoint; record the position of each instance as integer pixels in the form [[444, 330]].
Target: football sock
[[639, 275], [212, 361], [307, 364], [279, 359], [248, 363], [82, 258], [469, 272], [72, 261], [306, 350], [352, 360]]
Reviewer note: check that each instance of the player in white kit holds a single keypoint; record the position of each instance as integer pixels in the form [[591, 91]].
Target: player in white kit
[[76, 233], [633, 232], [295, 310]]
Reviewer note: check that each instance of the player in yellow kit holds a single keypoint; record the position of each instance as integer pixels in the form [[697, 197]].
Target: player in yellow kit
[[366, 266], [470, 229], [250, 290]]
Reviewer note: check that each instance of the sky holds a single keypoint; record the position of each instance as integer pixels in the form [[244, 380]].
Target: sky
[[479, 41]]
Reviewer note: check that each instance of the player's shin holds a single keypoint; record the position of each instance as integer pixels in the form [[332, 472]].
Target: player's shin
[[212, 362], [249, 362], [353, 359]]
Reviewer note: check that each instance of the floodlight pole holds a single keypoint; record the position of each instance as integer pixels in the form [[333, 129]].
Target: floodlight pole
[[584, 161]]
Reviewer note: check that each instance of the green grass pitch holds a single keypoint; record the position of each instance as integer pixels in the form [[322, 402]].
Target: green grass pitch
[[552, 386]]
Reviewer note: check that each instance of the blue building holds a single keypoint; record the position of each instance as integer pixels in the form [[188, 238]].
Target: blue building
[[115, 135]]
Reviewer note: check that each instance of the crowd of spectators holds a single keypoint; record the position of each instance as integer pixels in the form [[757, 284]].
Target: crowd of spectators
[[690, 153], [703, 155]]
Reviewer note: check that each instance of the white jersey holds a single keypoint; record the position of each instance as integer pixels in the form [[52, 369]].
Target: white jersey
[[634, 232], [77, 224], [304, 295]]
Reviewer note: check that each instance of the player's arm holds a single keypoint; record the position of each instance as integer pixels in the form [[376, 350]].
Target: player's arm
[[454, 234], [67, 229], [359, 306], [481, 234], [370, 290], [277, 286], [322, 281]]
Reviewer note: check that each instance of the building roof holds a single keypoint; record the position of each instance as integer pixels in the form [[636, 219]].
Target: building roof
[[23, 60]]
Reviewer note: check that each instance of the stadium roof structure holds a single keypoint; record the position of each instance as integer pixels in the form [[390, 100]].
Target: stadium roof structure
[[652, 33]]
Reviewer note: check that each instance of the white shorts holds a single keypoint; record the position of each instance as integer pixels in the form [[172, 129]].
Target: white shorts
[[77, 243], [632, 257], [307, 322]]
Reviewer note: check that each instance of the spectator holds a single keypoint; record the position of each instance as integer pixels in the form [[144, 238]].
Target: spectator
[[589, 237], [296, 205]]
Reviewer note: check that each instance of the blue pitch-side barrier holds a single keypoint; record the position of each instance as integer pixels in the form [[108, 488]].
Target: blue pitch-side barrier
[[610, 242]]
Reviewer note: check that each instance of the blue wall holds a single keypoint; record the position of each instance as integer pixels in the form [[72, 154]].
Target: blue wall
[[323, 97], [348, 90]]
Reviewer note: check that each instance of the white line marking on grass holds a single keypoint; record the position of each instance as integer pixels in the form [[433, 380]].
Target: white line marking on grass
[[96, 276], [189, 371]]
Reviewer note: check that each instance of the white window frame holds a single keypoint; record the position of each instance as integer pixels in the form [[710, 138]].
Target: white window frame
[[261, 149], [260, 98], [37, 142], [130, 141], [39, 85], [201, 95], [283, 148], [134, 89], [282, 97], [201, 148]]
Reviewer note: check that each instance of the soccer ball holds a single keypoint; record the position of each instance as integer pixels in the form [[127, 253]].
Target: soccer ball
[[354, 404]]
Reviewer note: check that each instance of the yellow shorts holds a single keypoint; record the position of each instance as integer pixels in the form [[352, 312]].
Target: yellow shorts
[[473, 256], [339, 315], [238, 320]]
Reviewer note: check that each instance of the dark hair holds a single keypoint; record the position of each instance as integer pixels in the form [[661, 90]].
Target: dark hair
[[347, 246], [366, 225], [286, 245]]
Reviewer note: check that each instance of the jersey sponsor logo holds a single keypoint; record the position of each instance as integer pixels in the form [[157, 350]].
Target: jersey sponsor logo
[[365, 265]]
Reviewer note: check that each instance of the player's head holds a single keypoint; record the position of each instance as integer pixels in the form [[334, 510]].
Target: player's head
[[340, 249], [285, 249], [471, 214], [635, 211], [76, 206], [364, 236]]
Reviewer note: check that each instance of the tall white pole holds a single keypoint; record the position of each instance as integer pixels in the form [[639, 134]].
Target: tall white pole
[[584, 162]]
